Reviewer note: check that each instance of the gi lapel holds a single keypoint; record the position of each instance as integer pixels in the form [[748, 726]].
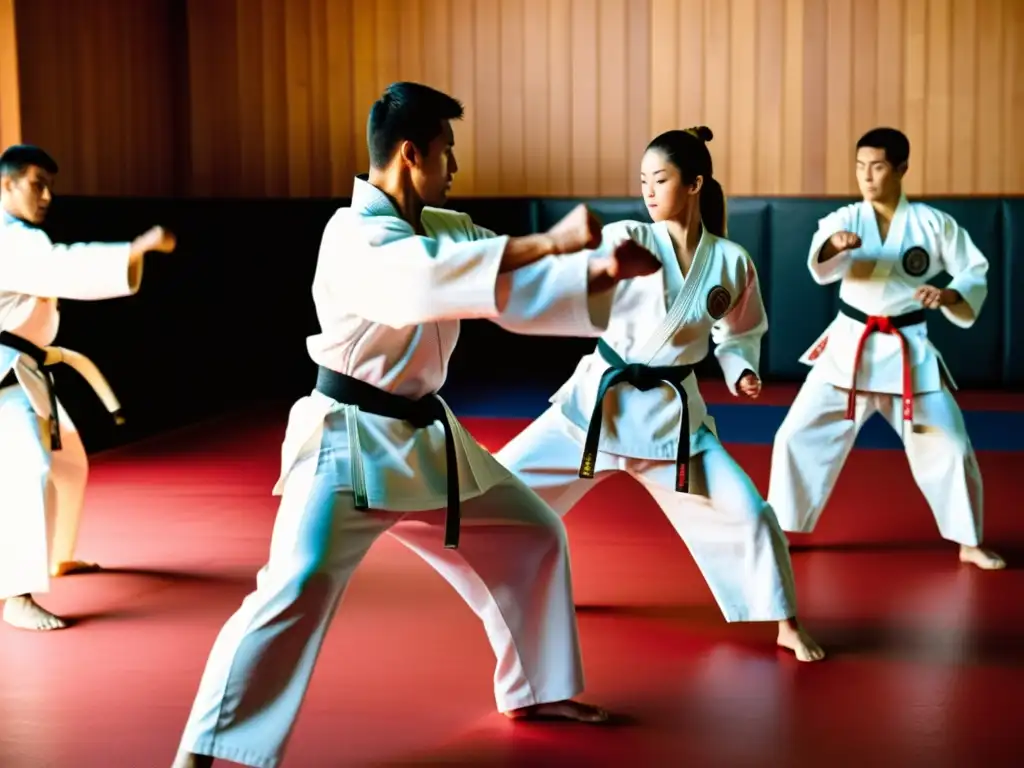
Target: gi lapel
[[890, 249], [684, 300]]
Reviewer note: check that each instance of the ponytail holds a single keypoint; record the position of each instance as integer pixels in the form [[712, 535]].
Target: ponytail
[[712, 207]]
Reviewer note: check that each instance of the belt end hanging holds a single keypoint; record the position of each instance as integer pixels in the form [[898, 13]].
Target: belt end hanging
[[851, 404], [682, 479], [587, 466], [453, 519], [362, 501], [55, 444], [452, 526]]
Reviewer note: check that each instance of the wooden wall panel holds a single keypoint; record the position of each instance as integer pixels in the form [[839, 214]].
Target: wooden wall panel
[[98, 85], [10, 100], [562, 95], [557, 92], [269, 98], [789, 85]]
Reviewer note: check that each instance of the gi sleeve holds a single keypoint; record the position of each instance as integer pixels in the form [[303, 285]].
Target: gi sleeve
[[31, 264], [969, 269], [833, 270], [738, 334], [378, 268]]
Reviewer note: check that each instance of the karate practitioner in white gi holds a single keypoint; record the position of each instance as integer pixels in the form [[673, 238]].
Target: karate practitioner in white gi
[[634, 405], [876, 355], [43, 465], [393, 279]]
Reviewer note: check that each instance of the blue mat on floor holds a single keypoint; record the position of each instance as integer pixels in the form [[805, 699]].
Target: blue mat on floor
[[752, 425]]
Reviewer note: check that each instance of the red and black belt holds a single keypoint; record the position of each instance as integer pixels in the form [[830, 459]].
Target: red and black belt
[[888, 325]]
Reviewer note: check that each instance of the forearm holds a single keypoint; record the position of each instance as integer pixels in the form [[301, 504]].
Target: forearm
[[551, 298], [598, 279], [827, 252], [523, 251]]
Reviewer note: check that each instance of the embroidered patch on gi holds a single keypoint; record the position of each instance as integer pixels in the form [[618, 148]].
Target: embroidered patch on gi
[[719, 302], [816, 352], [916, 261]]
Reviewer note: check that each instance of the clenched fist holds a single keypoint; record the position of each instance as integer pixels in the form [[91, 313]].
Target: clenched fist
[[839, 242], [933, 298], [155, 239], [578, 231], [749, 385], [629, 259]]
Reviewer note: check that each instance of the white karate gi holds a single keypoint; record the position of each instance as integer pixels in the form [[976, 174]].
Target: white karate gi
[[879, 279], [666, 320], [41, 492], [389, 304]]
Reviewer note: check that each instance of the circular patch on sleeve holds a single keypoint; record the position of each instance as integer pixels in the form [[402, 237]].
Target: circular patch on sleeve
[[719, 302], [916, 261]]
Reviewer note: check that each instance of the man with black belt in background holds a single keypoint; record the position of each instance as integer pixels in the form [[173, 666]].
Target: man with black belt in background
[[374, 450], [876, 355], [43, 466]]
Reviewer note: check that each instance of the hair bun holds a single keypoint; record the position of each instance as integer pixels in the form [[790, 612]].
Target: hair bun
[[703, 133]]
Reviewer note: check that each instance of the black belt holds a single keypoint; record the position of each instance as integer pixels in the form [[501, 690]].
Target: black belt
[[420, 413], [643, 377], [26, 347], [898, 321]]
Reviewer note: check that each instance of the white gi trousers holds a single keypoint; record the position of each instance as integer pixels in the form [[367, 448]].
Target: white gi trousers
[[41, 495], [815, 438], [511, 567], [730, 531]]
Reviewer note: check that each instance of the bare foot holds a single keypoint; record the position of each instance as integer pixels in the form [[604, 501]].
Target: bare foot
[[559, 710], [24, 613], [795, 638], [69, 567], [985, 559], [188, 760]]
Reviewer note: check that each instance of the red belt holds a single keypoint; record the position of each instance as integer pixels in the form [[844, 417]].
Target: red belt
[[888, 325]]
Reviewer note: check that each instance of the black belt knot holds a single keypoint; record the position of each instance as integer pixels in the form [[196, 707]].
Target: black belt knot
[[26, 347], [643, 378], [419, 413]]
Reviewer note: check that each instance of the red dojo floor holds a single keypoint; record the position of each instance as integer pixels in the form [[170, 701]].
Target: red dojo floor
[[925, 669]]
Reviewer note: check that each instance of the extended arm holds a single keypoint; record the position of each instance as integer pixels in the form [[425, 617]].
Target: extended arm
[[969, 269], [558, 295], [825, 264], [31, 264], [738, 334], [380, 269]]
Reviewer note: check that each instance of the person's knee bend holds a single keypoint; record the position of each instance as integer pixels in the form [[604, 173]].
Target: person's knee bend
[[747, 507], [956, 446], [308, 585], [788, 432], [549, 530]]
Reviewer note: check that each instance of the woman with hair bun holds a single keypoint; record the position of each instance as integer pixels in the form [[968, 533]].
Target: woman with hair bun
[[634, 404]]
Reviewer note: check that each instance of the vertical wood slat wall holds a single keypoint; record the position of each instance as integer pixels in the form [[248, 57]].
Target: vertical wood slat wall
[[10, 101], [268, 98]]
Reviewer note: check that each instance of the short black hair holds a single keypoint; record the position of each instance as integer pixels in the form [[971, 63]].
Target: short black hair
[[17, 159], [894, 143], [407, 112]]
